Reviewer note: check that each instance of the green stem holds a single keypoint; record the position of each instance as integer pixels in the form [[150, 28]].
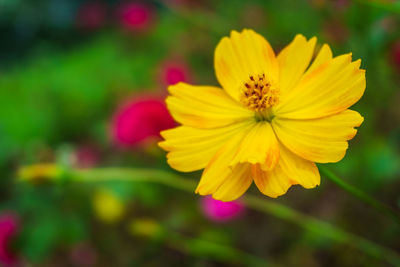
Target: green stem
[[369, 200], [323, 229], [131, 175], [193, 246], [210, 250], [263, 205]]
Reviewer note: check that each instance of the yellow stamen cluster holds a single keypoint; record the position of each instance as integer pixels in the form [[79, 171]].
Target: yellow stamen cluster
[[259, 94]]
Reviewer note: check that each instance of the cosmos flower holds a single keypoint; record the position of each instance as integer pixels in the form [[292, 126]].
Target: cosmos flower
[[83, 254], [219, 211], [139, 120], [274, 118], [135, 16], [146, 227], [41, 172], [85, 156], [9, 224], [174, 71], [108, 207], [395, 54]]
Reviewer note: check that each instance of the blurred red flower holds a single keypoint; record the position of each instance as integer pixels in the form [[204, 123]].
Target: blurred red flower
[[9, 224], [86, 156], [219, 211], [135, 16], [395, 54], [139, 119], [91, 15], [83, 254], [174, 71]]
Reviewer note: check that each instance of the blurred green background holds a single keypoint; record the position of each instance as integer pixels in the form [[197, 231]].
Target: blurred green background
[[67, 66]]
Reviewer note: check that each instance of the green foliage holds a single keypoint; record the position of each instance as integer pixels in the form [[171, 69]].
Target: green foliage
[[60, 86]]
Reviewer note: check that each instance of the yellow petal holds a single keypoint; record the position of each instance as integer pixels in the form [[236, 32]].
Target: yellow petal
[[259, 146], [204, 106], [327, 90], [243, 54], [299, 170], [290, 170], [293, 61], [324, 55], [271, 183], [218, 169], [235, 184], [319, 140], [191, 149]]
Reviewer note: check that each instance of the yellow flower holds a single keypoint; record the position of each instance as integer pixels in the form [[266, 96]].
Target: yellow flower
[[274, 117], [145, 227], [40, 172], [108, 207]]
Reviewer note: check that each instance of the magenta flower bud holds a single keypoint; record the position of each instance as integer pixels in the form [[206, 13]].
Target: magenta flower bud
[[86, 156], [174, 71], [135, 16], [9, 225], [395, 55], [140, 119], [83, 254], [219, 211]]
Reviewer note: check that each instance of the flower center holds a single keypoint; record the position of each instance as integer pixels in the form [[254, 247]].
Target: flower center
[[259, 93]]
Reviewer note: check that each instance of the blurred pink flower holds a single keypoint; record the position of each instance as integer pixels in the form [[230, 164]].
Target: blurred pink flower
[[86, 156], [91, 15], [9, 224], [135, 16], [174, 71], [83, 255], [219, 211], [140, 119], [395, 54]]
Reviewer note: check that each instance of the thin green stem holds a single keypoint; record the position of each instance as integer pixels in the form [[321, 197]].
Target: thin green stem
[[131, 175], [193, 246], [210, 250], [323, 229], [369, 200], [263, 205]]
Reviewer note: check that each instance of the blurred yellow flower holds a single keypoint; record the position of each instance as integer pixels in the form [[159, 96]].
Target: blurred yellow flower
[[274, 118], [40, 172], [145, 227], [108, 207]]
